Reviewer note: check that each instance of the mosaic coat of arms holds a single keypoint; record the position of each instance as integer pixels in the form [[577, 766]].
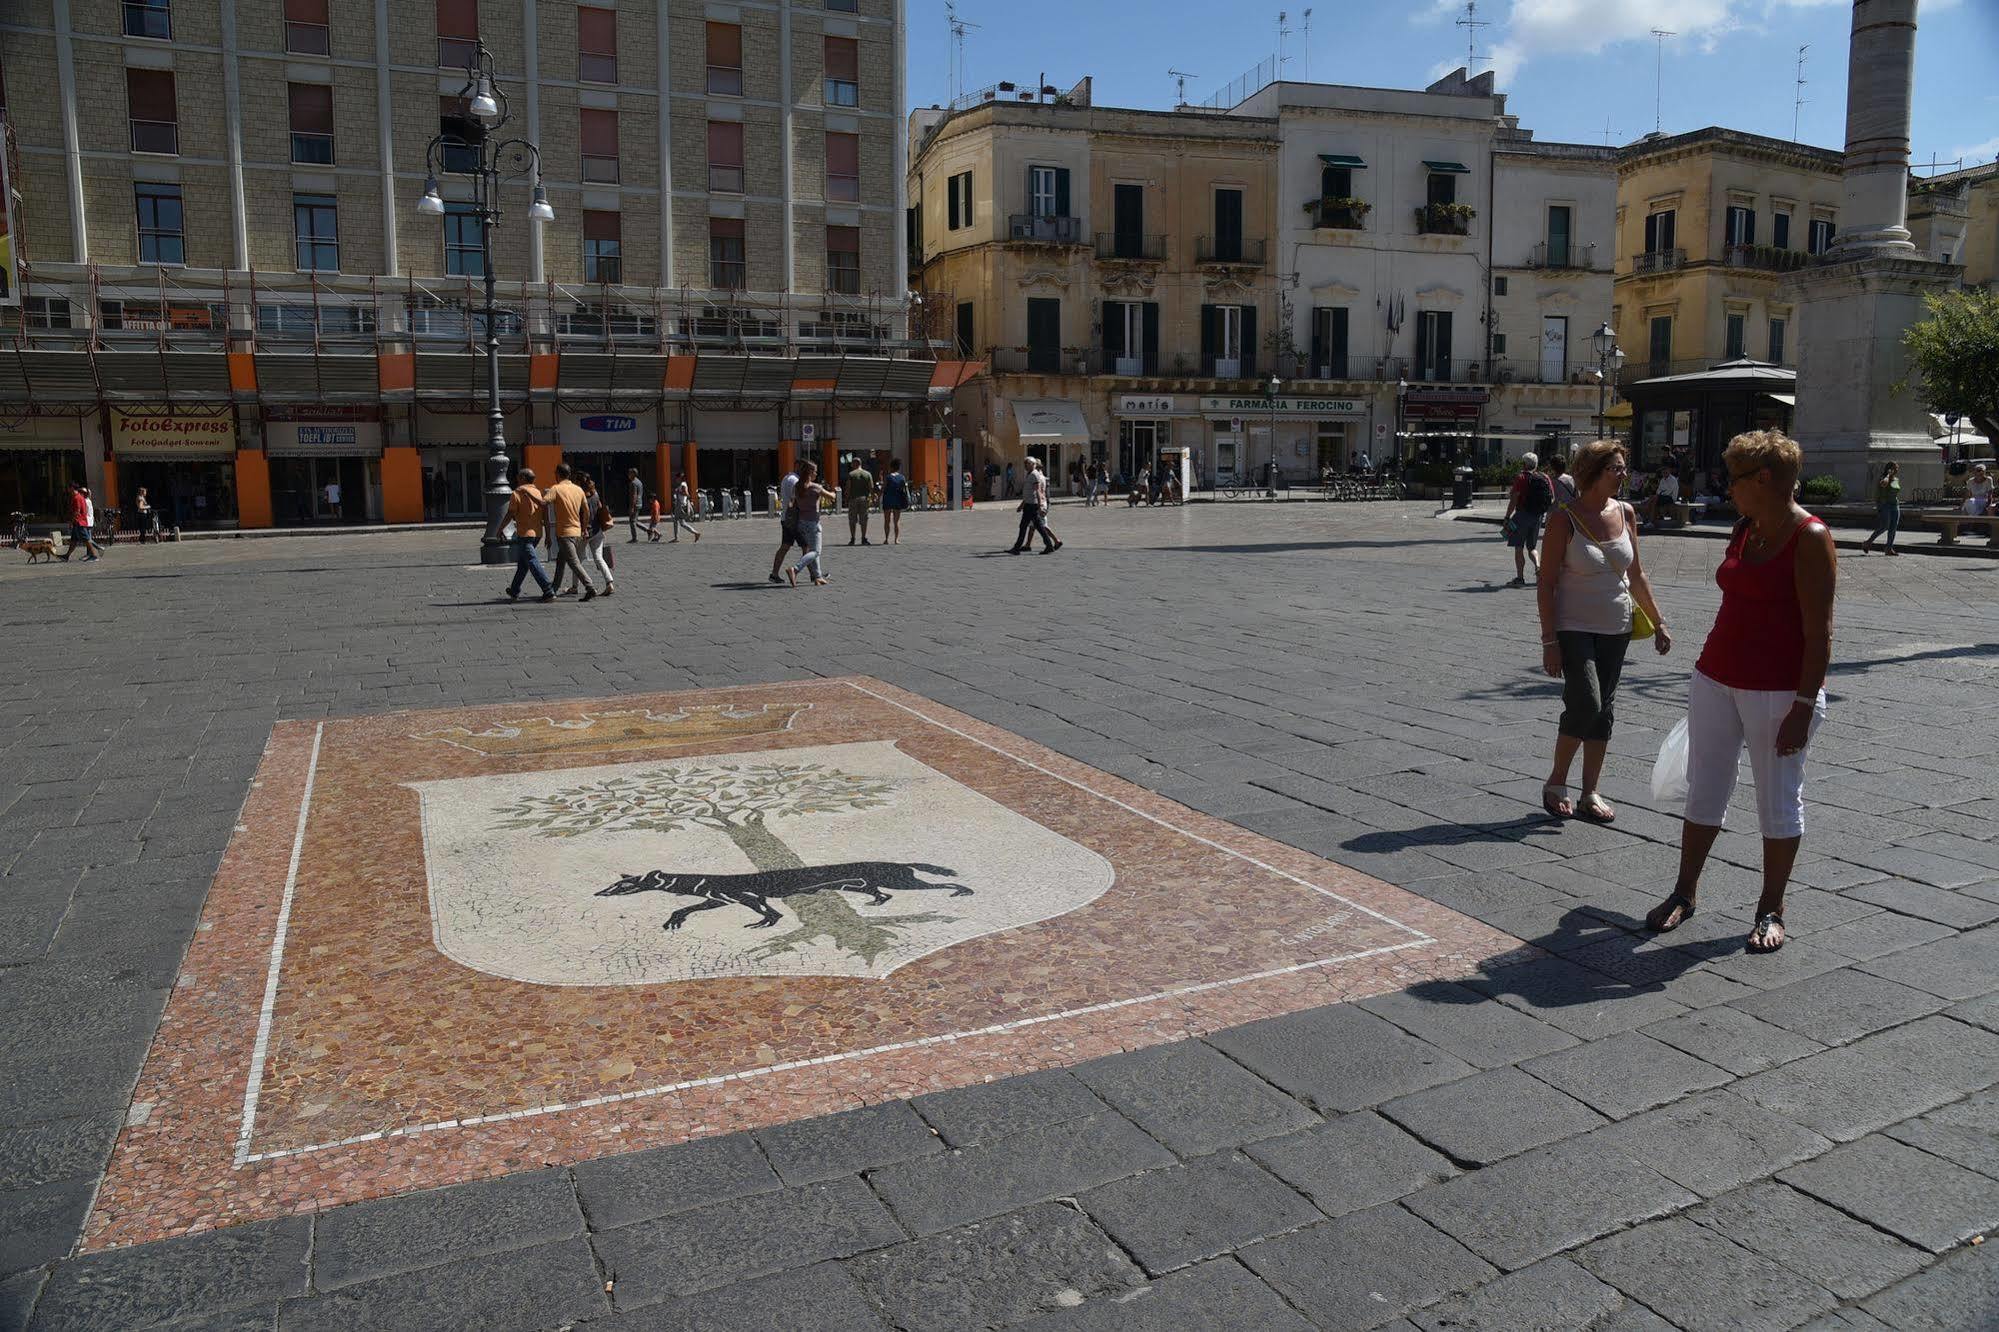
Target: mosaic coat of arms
[[835, 860]]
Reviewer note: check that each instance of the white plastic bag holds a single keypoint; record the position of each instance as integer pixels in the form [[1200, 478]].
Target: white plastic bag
[[1669, 770]]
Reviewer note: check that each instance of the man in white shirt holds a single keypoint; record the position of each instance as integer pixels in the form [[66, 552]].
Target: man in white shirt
[[333, 498], [787, 518], [1666, 492]]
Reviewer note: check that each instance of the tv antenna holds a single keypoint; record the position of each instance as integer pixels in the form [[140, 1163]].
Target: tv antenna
[[1283, 31], [1182, 76], [1305, 73], [1798, 102], [959, 27], [1607, 130], [1471, 23], [1659, 36]]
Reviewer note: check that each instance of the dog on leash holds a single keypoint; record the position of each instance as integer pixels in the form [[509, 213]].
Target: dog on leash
[[41, 548]]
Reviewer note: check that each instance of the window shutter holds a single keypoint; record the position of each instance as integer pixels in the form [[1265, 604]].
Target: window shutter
[[1208, 336], [725, 143], [600, 132], [725, 45], [458, 18], [843, 59], [600, 225], [1150, 316], [843, 154], [1113, 333], [1339, 330], [843, 240], [597, 31], [150, 93], [1443, 347], [951, 204], [305, 11], [312, 108], [968, 198], [1061, 191], [1248, 341]]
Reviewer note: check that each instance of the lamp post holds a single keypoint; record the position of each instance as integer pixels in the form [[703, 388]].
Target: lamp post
[[1271, 389], [1401, 426], [486, 158], [1609, 356]]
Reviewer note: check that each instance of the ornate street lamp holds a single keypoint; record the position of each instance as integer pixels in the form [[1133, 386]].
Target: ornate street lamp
[[486, 158], [1271, 390], [1609, 357]]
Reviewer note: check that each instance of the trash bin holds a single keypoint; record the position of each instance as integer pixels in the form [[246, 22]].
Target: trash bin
[[1461, 488]]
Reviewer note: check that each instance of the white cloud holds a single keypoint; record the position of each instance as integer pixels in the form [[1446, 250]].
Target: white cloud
[[1976, 154]]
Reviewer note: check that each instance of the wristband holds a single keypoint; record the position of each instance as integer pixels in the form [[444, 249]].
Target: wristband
[[1812, 699]]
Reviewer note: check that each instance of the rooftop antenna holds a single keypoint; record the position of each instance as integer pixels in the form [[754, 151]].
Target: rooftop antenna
[[1471, 23], [1283, 31], [1181, 75], [1305, 74], [1798, 102], [959, 27], [1607, 130], [1659, 36]]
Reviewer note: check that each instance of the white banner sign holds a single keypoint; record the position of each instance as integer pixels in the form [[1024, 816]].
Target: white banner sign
[[321, 439], [1322, 408]]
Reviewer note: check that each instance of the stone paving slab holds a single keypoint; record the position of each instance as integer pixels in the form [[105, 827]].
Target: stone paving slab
[[1329, 724]]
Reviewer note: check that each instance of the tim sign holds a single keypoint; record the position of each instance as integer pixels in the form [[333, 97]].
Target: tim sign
[[612, 431]]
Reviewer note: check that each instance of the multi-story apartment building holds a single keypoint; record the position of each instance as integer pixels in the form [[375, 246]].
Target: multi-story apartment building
[[1440, 270], [1954, 217], [1313, 276], [232, 298], [1112, 267]]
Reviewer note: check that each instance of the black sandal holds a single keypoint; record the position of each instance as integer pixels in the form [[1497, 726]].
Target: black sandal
[[1655, 919], [1769, 924]]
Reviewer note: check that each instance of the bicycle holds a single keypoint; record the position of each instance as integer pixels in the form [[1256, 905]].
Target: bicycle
[[107, 527], [1230, 485]]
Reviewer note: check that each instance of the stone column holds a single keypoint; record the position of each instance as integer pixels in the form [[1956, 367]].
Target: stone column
[[1880, 80]]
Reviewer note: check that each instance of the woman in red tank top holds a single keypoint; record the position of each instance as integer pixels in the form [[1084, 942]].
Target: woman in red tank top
[[1760, 680]]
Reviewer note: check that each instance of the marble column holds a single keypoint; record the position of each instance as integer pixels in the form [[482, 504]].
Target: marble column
[[1880, 86]]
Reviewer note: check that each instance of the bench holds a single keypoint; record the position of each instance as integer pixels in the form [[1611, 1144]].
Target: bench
[[1950, 522]]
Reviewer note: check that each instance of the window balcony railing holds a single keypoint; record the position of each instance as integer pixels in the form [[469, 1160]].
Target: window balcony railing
[[596, 67], [1040, 361], [610, 272], [728, 275], [1765, 258], [1240, 366], [308, 39], [1044, 230], [1452, 219], [843, 189], [1437, 370], [1658, 261], [312, 149], [725, 179], [1130, 245], [600, 170], [1563, 255], [726, 80], [1229, 250], [156, 136], [1504, 371], [1339, 214]]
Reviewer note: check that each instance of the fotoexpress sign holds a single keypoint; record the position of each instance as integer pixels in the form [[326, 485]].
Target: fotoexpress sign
[[163, 435]]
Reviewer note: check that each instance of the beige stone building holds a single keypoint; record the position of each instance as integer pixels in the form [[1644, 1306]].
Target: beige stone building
[[1114, 267], [241, 179]]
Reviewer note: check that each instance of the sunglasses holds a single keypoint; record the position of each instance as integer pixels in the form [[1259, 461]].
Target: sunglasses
[[1735, 477]]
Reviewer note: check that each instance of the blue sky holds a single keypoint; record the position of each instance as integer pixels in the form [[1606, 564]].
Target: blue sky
[[1571, 68]]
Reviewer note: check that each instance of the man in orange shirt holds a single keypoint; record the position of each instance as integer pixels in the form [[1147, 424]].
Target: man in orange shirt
[[528, 511], [566, 508]]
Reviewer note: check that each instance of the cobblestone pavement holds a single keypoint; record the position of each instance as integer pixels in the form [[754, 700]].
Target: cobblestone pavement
[[1616, 1133]]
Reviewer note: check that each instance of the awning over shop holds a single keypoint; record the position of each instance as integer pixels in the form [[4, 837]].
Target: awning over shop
[[1457, 168], [1788, 399], [1341, 160], [1050, 421]]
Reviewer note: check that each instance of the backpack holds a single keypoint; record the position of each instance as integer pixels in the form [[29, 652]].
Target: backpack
[[1540, 495]]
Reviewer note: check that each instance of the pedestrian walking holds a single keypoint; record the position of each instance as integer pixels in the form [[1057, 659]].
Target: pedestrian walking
[[683, 512], [1760, 678], [527, 511], [787, 517], [1887, 509], [1527, 505], [1034, 512], [635, 489], [148, 519], [652, 520], [860, 490], [895, 498], [1589, 576], [331, 494], [807, 496], [1011, 490], [82, 518], [599, 520], [566, 513]]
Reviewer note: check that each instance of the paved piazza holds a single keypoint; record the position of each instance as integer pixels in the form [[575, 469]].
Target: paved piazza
[[1159, 934]]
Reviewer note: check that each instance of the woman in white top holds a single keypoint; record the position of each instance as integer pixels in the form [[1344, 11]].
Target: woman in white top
[[1589, 575], [1978, 492]]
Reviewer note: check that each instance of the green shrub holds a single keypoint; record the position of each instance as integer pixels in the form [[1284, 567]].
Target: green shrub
[[1821, 490]]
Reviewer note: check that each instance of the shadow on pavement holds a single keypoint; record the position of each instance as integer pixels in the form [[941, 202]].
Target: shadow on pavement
[[1617, 964]]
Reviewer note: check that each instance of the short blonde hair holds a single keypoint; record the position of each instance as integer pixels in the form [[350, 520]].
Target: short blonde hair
[[1758, 449], [1589, 461]]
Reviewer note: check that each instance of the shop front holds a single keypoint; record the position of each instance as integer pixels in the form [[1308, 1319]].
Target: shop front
[[1053, 430], [325, 465], [738, 451], [608, 445], [184, 461], [1155, 430], [1302, 436], [1441, 424], [41, 457], [452, 446]]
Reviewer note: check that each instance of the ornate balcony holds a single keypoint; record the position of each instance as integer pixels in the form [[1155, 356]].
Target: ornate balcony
[[1339, 214], [1037, 229], [1658, 261], [1227, 250], [1452, 219], [1766, 258], [1130, 245]]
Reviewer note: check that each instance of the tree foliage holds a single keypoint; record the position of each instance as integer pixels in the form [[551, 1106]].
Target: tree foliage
[[697, 795], [1955, 355]]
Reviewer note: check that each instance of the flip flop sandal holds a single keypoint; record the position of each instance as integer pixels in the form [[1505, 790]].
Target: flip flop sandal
[[1552, 795], [1588, 806], [1768, 925], [1655, 919]]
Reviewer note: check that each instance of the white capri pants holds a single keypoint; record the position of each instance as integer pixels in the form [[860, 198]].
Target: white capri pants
[[1720, 720]]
